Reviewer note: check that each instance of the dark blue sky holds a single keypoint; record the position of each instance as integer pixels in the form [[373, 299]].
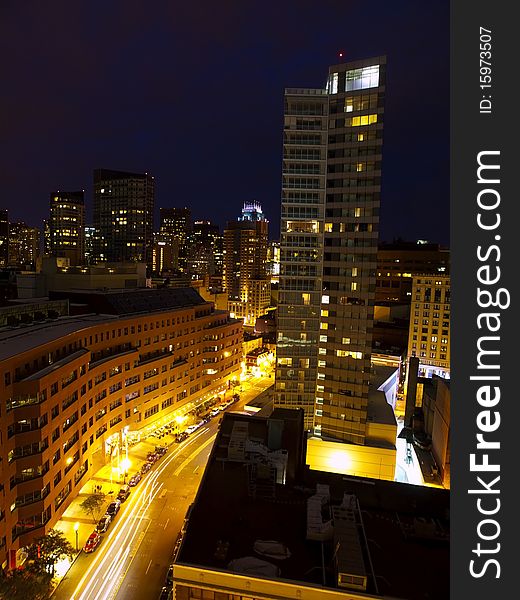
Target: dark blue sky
[[193, 93]]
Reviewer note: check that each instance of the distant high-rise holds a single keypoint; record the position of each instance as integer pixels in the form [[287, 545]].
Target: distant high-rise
[[123, 215], [399, 261], [67, 226], [328, 248], [176, 228], [245, 266], [24, 243], [429, 333], [4, 237], [205, 254]]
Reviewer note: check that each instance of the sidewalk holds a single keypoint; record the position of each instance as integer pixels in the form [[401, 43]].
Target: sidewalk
[[108, 478]]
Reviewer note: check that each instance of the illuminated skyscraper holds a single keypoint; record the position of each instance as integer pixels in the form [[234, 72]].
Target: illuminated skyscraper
[[245, 264], [176, 228], [328, 248], [67, 226], [123, 215]]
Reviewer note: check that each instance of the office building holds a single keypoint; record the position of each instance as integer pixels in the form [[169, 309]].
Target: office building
[[4, 238], [429, 332], [328, 248], [176, 227], [123, 215], [75, 387], [245, 264], [265, 526], [399, 261], [205, 250], [164, 253], [67, 226], [24, 245]]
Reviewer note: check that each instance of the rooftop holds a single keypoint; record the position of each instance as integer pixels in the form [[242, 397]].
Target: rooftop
[[256, 488], [133, 301]]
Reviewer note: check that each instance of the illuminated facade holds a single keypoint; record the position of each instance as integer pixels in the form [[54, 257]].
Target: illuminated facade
[[67, 226], [429, 334], [245, 265], [123, 215], [4, 238], [205, 254], [24, 242], [69, 396], [329, 235], [397, 263], [176, 228]]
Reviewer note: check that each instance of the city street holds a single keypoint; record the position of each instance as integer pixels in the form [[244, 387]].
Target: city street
[[132, 560]]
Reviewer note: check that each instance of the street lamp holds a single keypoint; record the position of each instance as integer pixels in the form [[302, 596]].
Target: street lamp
[[76, 528]]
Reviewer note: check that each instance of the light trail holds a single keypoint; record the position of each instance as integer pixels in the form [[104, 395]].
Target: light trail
[[120, 543]]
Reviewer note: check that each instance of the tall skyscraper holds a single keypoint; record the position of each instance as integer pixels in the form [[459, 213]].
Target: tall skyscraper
[[24, 245], [4, 237], [67, 226], [245, 264], [123, 215], [176, 228], [328, 248], [205, 250]]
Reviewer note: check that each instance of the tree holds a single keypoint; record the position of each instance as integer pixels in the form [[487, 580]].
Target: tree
[[46, 551], [21, 584], [93, 505]]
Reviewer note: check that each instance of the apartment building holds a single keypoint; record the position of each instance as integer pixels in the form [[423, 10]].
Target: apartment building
[[74, 386]]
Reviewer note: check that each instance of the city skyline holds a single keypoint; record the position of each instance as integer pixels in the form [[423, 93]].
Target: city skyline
[[233, 77]]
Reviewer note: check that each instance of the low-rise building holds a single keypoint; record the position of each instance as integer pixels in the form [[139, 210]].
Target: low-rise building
[[264, 526]]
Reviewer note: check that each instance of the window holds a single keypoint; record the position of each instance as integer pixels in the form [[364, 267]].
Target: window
[[360, 79]]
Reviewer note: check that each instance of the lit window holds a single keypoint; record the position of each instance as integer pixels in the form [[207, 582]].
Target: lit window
[[360, 79], [328, 227], [325, 299], [333, 83]]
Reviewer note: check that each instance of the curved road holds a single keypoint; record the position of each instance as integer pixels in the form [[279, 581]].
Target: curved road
[[132, 559]]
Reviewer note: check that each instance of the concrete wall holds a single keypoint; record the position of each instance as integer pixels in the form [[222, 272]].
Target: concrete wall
[[351, 459]]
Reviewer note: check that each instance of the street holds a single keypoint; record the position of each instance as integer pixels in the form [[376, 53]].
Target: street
[[133, 558]]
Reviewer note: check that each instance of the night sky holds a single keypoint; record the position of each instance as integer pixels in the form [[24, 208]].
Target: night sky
[[193, 94]]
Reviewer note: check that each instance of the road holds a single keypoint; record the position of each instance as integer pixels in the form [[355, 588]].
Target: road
[[133, 558]]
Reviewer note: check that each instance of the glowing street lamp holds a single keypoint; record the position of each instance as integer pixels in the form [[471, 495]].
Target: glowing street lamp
[[76, 528]]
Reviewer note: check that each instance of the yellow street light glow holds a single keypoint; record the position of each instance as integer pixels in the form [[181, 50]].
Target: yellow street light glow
[[76, 526], [69, 460], [125, 464]]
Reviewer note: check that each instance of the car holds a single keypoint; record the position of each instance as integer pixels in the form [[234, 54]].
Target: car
[[160, 450], [180, 437], [214, 412], [146, 467], [152, 457], [123, 494], [113, 508], [236, 397], [92, 542], [166, 593], [134, 480], [169, 576], [103, 524]]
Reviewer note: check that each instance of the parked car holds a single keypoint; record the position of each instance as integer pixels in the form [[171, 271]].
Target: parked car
[[166, 593], [152, 457], [92, 542], [180, 437], [134, 480], [123, 494], [161, 450], [146, 467], [113, 508], [103, 524], [169, 576]]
